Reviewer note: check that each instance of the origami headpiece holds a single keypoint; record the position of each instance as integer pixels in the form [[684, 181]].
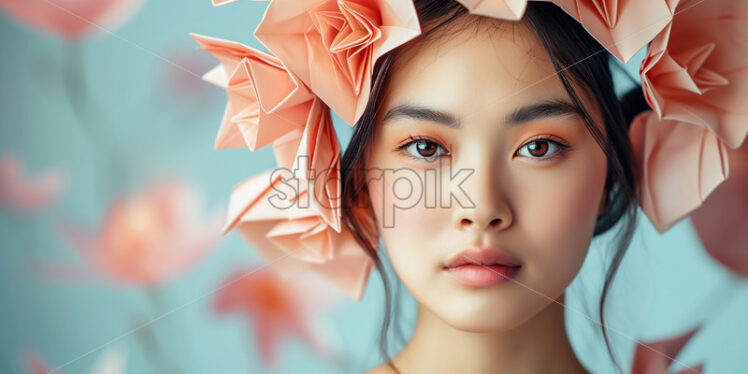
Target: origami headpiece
[[694, 78]]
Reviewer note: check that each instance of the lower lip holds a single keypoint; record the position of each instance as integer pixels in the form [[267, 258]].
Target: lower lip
[[483, 275]]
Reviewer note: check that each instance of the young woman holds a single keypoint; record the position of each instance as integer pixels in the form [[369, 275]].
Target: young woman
[[526, 165], [487, 153]]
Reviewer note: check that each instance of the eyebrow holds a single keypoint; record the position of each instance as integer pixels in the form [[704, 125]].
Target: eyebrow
[[547, 108], [543, 109]]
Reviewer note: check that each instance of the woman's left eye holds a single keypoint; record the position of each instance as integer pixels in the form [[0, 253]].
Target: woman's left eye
[[423, 149], [540, 149]]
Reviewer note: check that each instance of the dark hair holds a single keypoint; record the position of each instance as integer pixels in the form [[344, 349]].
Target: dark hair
[[577, 58]]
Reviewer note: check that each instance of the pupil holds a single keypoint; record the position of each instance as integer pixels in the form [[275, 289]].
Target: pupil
[[538, 148], [425, 148]]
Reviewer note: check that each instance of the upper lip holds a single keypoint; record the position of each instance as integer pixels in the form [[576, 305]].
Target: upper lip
[[482, 256]]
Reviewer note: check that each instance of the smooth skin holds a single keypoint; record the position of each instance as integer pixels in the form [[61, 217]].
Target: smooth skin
[[537, 185]]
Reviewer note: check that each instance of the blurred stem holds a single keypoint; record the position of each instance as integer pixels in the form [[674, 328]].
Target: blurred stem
[[74, 78], [93, 122]]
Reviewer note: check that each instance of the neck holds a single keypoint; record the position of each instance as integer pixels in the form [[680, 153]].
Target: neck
[[540, 345]]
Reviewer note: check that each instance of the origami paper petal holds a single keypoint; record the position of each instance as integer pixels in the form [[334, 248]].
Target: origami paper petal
[[286, 147], [72, 19], [319, 152], [655, 357], [622, 27], [502, 9], [332, 45], [696, 70], [266, 101], [720, 222], [150, 236], [681, 164], [19, 191], [294, 245]]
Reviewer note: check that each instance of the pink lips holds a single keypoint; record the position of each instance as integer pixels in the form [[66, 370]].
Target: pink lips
[[482, 267]]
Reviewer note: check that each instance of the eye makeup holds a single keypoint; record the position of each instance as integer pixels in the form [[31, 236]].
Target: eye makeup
[[541, 148], [543, 143], [415, 145]]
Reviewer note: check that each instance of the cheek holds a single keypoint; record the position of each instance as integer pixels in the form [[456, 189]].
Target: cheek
[[407, 225], [566, 208], [559, 218]]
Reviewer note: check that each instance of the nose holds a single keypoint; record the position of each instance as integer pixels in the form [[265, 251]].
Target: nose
[[490, 210]]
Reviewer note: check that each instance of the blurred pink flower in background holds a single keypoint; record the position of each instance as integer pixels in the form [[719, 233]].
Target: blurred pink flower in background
[[112, 361], [71, 19], [181, 79], [656, 357], [721, 221], [150, 236], [277, 307], [23, 193]]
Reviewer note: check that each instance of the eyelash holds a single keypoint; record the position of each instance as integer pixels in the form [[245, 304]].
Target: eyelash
[[562, 145], [415, 139]]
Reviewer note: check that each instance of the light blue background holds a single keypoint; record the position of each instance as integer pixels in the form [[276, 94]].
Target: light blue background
[[666, 285]]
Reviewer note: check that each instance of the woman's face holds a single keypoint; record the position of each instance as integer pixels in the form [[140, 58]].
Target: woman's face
[[457, 163]]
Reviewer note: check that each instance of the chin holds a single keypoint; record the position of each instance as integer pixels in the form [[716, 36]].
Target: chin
[[486, 316]]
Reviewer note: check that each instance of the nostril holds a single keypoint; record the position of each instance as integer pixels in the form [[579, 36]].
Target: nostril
[[495, 222], [466, 222]]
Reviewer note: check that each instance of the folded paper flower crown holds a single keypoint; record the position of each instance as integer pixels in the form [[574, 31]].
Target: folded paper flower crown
[[694, 78]]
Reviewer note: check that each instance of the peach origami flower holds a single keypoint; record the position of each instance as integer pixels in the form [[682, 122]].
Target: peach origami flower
[[265, 100], [623, 27], [72, 19], [696, 69], [721, 221], [278, 220], [502, 9], [23, 193], [681, 164], [275, 307], [149, 237], [656, 357], [332, 45]]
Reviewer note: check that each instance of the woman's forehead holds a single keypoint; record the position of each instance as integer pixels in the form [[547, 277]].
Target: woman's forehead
[[490, 69]]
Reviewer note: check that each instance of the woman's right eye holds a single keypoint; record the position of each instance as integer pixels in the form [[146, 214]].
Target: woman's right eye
[[424, 149]]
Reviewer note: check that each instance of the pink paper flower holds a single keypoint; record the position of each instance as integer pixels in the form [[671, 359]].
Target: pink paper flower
[[502, 9], [149, 237], [20, 192], [622, 27], [332, 45], [276, 308], [266, 101], [71, 19], [681, 164], [656, 357], [696, 69], [270, 105], [276, 219], [720, 222]]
